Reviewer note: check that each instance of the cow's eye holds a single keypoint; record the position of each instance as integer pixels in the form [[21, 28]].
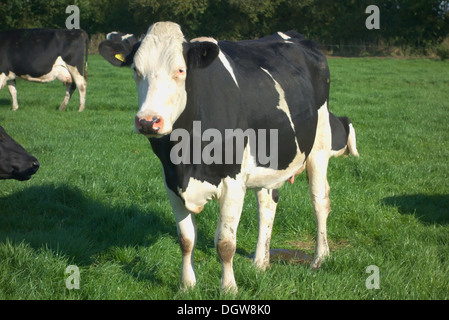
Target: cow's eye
[[180, 72]]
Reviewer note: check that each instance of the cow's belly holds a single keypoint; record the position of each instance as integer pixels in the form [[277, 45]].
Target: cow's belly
[[268, 178], [198, 193], [59, 71]]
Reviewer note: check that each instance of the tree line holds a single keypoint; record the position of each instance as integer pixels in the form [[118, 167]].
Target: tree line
[[413, 23]]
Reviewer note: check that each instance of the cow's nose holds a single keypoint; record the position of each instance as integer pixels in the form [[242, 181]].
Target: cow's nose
[[149, 125]]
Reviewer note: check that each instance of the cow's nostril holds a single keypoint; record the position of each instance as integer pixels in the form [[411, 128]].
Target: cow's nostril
[[35, 165], [149, 125]]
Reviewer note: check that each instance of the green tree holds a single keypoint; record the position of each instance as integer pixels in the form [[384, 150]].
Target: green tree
[[32, 14], [418, 23]]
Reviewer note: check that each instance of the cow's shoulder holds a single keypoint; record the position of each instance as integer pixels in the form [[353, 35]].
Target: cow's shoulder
[[162, 147]]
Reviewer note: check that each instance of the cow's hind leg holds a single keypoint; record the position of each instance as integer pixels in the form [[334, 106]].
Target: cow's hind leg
[[81, 85], [231, 202], [69, 89], [317, 164], [267, 201], [13, 92]]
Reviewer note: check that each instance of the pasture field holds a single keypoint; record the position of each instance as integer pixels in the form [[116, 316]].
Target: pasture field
[[98, 200]]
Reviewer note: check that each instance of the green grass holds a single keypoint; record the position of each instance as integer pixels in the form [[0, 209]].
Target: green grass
[[98, 200]]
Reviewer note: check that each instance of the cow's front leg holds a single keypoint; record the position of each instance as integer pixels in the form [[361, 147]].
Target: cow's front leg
[[231, 202], [13, 93], [186, 226], [267, 202]]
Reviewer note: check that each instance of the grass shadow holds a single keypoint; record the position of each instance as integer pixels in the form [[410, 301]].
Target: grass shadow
[[64, 220], [429, 209], [5, 102]]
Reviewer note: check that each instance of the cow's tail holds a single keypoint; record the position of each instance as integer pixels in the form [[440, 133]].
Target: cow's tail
[[352, 146], [86, 55]]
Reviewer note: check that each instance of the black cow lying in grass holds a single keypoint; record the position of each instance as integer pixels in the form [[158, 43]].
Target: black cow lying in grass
[[15, 161]]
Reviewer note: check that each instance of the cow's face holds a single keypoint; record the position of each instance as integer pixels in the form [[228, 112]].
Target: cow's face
[[160, 73], [15, 161], [161, 62]]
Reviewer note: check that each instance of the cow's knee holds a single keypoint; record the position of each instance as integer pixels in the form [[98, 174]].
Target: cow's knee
[[321, 200], [226, 250], [187, 243]]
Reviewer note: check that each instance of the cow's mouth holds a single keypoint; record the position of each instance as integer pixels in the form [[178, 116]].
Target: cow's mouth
[[25, 174], [21, 177]]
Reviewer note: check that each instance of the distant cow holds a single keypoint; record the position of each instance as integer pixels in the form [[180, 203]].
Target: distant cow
[[15, 161], [266, 94], [43, 55]]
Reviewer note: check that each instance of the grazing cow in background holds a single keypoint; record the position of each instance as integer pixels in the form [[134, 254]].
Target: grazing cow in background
[[43, 55], [15, 161], [233, 94]]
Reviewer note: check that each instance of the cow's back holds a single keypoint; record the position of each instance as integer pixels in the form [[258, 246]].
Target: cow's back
[[270, 83], [33, 52]]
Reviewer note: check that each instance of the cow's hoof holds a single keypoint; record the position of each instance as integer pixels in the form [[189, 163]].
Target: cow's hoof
[[230, 289], [186, 286], [317, 262]]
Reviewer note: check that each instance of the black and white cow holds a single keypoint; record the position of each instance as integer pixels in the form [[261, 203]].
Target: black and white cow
[[238, 94], [15, 161], [43, 55]]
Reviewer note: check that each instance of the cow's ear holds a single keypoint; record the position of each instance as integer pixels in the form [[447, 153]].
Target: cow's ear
[[117, 53], [201, 54]]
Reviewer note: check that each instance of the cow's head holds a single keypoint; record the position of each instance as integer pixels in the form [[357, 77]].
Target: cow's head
[[161, 62], [15, 161]]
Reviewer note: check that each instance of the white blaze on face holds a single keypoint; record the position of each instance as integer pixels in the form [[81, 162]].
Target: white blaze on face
[[160, 74]]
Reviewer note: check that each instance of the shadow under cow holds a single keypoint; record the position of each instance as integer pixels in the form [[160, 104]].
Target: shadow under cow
[[64, 220]]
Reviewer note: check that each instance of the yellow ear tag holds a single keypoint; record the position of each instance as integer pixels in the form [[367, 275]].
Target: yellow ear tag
[[120, 57]]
